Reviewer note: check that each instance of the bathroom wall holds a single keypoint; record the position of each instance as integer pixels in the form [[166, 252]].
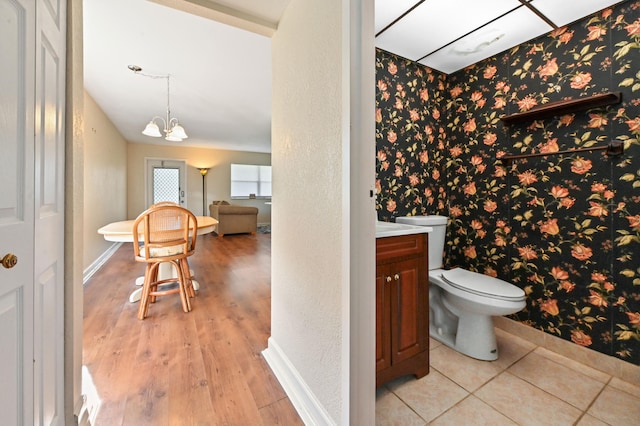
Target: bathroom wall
[[565, 228]]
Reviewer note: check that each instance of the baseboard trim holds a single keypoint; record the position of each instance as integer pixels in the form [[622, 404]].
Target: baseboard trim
[[81, 412], [304, 401], [608, 364], [97, 264]]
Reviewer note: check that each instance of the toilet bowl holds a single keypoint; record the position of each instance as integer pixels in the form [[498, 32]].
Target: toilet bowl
[[462, 303]]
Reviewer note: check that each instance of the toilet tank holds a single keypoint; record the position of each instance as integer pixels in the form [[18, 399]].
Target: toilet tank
[[436, 237]]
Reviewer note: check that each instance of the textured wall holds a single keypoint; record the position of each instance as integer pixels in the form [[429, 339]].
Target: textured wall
[[562, 227], [308, 259], [105, 178]]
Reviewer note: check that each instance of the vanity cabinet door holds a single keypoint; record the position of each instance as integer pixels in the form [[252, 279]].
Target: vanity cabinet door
[[402, 307], [409, 312], [383, 319]]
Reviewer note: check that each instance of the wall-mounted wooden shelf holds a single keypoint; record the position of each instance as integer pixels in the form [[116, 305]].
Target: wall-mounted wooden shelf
[[563, 107], [613, 148]]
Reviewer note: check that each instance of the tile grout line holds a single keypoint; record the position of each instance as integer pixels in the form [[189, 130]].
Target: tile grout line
[[506, 368], [487, 403], [439, 415], [586, 411], [406, 404], [604, 384], [452, 407]]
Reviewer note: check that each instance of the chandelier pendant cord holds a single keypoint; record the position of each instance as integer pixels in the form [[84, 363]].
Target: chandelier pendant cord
[[167, 125]]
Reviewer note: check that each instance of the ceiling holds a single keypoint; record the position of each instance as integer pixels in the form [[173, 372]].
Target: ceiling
[[220, 82], [218, 55], [448, 35]]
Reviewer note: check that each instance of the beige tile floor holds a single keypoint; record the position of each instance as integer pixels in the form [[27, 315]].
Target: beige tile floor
[[527, 385]]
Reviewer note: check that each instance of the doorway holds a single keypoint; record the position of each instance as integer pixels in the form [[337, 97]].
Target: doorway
[[166, 180]]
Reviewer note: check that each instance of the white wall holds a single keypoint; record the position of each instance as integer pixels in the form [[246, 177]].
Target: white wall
[[314, 238], [105, 178], [74, 207], [306, 244]]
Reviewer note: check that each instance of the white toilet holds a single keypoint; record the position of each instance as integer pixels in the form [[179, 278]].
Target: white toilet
[[461, 302]]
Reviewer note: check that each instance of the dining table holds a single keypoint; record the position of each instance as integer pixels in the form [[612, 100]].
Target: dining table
[[122, 231]]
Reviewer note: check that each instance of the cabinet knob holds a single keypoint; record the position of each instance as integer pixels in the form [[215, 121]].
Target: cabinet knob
[[396, 277], [388, 279]]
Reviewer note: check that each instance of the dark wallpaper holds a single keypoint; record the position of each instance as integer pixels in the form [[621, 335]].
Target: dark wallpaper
[[563, 227]]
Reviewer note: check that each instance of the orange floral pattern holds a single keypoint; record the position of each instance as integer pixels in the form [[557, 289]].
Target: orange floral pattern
[[564, 227]]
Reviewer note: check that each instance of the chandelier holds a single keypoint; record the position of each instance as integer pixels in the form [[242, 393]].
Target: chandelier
[[172, 129]]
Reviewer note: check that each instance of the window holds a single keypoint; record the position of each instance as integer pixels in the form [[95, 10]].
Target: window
[[166, 185], [165, 180], [250, 180]]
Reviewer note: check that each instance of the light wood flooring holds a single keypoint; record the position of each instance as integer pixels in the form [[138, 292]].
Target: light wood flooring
[[174, 368]]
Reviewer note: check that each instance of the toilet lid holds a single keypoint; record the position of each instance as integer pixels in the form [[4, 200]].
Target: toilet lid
[[482, 285]]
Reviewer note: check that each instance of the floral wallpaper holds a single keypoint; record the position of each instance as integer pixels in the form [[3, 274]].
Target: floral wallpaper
[[563, 227]]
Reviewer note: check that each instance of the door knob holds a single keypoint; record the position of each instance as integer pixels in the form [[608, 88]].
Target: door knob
[[9, 260]]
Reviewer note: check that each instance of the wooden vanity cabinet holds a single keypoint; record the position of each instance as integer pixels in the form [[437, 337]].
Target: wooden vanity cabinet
[[402, 307]]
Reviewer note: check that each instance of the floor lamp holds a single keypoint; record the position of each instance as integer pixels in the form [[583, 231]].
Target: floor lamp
[[203, 172]]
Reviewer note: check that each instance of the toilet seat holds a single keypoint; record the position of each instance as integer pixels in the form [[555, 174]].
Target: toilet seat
[[482, 285]]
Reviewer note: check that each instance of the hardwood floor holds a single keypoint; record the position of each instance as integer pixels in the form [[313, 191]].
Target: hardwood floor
[[174, 368]]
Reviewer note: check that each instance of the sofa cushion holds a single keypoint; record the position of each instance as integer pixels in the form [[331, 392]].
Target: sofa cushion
[[230, 209]]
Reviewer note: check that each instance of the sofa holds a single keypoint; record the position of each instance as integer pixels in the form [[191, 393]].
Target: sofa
[[233, 219]]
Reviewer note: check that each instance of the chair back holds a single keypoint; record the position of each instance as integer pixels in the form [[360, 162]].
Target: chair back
[[166, 231], [164, 203]]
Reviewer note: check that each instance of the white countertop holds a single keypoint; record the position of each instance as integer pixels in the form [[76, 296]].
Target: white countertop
[[390, 229]]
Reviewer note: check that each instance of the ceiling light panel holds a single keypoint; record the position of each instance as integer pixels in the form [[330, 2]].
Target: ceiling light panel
[[387, 11], [513, 29], [565, 12], [435, 23]]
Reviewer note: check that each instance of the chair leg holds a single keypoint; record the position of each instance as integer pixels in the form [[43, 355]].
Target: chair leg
[[182, 283], [150, 286], [146, 289], [153, 286], [185, 267]]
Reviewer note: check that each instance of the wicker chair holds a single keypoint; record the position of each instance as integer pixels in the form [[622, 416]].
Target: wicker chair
[[164, 230]]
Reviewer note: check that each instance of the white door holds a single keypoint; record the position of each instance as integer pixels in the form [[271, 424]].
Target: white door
[[32, 47], [48, 292], [166, 181], [16, 209]]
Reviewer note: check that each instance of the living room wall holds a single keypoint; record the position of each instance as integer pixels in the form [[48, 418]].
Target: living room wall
[[105, 179], [565, 228], [217, 180]]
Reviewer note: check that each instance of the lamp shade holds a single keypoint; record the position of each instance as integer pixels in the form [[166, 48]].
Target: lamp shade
[[178, 131], [173, 138], [152, 130]]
